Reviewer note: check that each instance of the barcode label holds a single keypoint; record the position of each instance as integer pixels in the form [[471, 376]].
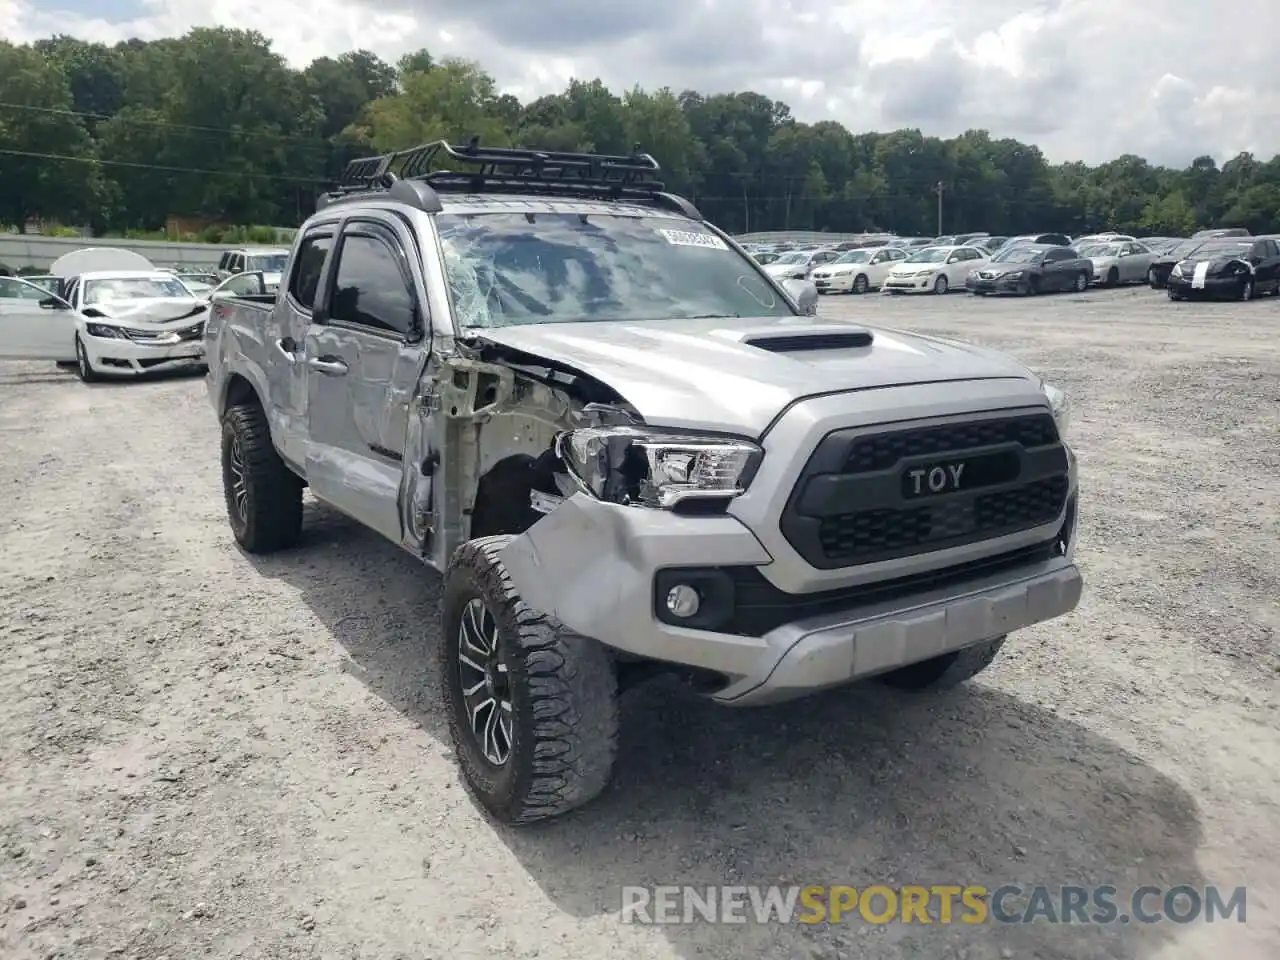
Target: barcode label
[[693, 238]]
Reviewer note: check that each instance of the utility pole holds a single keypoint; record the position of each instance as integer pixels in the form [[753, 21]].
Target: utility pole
[[938, 188]]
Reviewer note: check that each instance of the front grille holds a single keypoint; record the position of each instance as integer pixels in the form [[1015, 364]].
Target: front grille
[[884, 450], [859, 499], [851, 537]]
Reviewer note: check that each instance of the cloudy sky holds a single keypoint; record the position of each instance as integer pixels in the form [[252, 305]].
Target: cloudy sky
[[1084, 79]]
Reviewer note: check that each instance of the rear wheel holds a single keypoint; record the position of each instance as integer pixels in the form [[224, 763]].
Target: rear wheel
[[264, 497], [531, 705], [946, 671]]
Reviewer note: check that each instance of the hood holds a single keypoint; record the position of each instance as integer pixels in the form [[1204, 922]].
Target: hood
[[703, 374], [1215, 263], [158, 312], [780, 269], [905, 268]]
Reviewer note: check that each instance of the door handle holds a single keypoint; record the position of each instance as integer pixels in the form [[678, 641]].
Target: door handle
[[286, 347], [330, 367]]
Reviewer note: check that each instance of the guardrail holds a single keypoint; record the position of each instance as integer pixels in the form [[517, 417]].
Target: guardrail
[[30, 250]]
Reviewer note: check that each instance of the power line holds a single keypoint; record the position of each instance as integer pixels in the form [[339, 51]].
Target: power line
[[166, 124], [241, 175]]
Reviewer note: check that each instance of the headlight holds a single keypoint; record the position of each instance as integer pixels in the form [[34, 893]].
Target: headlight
[[1059, 406], [632, 466], [103, 331], [1176, 271]]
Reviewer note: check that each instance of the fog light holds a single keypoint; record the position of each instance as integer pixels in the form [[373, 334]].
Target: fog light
[[683, 601]]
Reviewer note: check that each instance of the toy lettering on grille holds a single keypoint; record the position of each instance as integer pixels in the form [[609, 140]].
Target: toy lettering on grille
[[691, 238]]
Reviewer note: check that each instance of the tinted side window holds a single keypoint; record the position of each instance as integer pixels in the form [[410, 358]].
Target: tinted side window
[[369, 289], [306, 269]]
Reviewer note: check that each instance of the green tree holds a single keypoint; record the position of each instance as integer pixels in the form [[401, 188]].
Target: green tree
[[49, 171]]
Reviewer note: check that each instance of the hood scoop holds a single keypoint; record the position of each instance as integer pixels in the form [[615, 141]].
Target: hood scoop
[[801, 342]]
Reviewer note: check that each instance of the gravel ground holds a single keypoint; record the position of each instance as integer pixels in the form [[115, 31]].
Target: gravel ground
[[203, 754]]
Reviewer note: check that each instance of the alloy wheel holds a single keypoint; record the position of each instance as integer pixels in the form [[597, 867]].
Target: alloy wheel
[[485, 682], [238, 480]]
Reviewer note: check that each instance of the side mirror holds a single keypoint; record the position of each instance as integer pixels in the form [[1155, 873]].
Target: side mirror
[[53, 303], [805, 294]]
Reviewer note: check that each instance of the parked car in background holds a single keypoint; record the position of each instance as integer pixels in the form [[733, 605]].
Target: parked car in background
[[199, 283], [1236, 268], [1161, 265], [763, 257], [1105, 237], [798, 264], [857, 271], [1160, 245], [1220, 232], [1037, 240], [1028, 270], [935, 270], [988, 244], [1117, 262], [269, 260]]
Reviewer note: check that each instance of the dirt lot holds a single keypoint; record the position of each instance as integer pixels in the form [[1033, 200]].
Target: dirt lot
[[207, 755]]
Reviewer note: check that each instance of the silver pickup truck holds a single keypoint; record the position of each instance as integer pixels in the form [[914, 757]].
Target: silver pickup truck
[[630, 452]]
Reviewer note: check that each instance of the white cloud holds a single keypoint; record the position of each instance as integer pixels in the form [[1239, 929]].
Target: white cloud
[[1083, 79]]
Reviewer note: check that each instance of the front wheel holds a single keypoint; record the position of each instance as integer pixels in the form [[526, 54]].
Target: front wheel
[[532, 706], [861, 284], [1153, 279], [946, 671], [1113, 277], [84, 369], [1082, 282], [264, 497], [1172, 295], [1246, 290], [940, 285]]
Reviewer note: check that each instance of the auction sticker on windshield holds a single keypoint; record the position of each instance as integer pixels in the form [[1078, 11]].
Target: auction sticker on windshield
[[694, 238]]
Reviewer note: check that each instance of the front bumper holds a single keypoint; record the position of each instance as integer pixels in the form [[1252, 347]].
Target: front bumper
[[121, 357], [996, 286], [603, 570], [1214, 287], [898, 284], [839, 283]]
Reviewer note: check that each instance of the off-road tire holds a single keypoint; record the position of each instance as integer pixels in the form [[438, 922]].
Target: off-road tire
[[84, 370], [946, 671], [271, 516], [860, 284], [563, 692]]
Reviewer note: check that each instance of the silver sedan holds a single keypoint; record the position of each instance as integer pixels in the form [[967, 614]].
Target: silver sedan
[[1118, 262]]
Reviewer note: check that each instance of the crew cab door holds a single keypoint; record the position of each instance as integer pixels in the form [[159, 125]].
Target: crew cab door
[[364, 352], [33, 324]]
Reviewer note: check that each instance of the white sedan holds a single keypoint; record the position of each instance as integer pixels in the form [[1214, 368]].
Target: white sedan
[[857, 271], [125, 323], [935, 270]]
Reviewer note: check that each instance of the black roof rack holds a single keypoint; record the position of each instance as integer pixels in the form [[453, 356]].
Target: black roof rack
[[407, 176]]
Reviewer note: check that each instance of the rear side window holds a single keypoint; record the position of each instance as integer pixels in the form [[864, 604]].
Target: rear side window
[[307, 267]]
